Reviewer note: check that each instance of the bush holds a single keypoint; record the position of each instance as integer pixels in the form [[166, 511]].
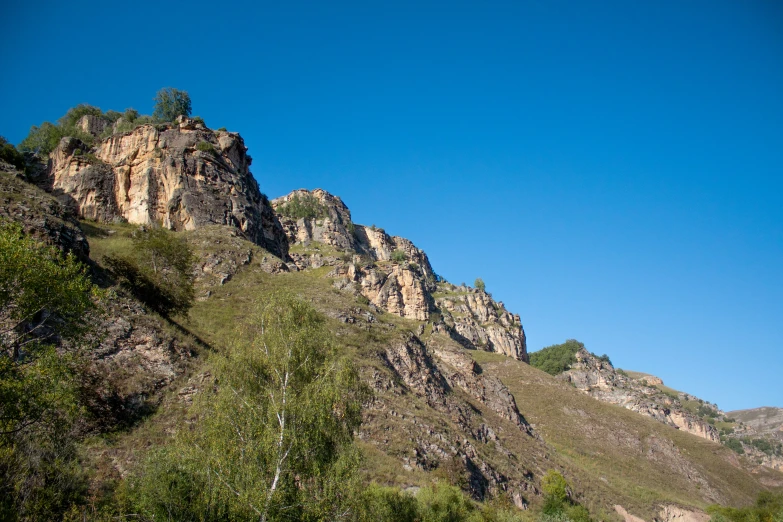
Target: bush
[[479, 284], [305, 206], [398, 256], [170, 103], [44, 296], [205, 146], [159, 273], [9, 154], [734, 445], [557, 358]]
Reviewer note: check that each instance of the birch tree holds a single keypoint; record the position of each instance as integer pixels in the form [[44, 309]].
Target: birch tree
[[273, 441]]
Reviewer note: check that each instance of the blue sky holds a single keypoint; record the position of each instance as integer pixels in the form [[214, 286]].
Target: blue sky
[[612, 170]]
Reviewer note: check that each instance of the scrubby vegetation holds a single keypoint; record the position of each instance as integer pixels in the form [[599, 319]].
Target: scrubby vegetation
[[557, 358], [398, 256], [768, 508], [304, 206], [43, 139], [44, 298], [158, 270], [11, 155]]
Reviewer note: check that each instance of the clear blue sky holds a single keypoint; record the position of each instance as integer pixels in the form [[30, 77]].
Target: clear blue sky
[[612, 170]]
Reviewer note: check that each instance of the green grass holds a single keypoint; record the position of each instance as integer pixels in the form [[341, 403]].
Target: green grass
[[603, 450]]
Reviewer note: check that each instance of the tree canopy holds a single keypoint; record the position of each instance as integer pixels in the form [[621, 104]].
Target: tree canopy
[[170, 103]]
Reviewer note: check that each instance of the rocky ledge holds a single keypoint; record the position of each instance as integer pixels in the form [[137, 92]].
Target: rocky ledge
[[600, 380], [393, 274], [180, 175]]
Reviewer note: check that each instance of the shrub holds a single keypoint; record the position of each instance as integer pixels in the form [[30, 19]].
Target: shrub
[[74, 114], [159, 273], [9, 154], [170, 103], [43, 296], [557, 358], [205, 146], [479, 284], [735, 446], [398, 256], [304, 206]]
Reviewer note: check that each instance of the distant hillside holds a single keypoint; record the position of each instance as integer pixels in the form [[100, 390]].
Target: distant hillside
[[766, 420]]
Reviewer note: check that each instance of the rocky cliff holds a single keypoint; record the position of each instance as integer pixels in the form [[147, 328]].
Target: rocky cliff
[[181, 175], [600, 380], [393, 274]]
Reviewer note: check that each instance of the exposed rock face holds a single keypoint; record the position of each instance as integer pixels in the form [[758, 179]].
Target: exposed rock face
[[600, 380], [93, 124], [182, 176], [41, 216], [764, 427], [396, 276], [332, 229], [480, 322], [430, 372]]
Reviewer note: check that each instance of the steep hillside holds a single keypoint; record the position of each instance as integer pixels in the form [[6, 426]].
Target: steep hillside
[[452, 396]]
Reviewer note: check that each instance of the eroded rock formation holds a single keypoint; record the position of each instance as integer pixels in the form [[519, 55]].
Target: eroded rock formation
[[600, 380], [182, 176], [395, 275]]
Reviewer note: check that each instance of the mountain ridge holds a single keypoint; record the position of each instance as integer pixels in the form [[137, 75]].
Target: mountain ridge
[[453, 393]]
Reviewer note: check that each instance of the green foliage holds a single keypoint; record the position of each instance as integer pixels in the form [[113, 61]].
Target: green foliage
[[554, 486], [378, 504], [557, 358], [398, 256], [205, 146], [159, 272], [605, 359], [768, 508], [130, 114], [443, 503], [170, 103], [734, 445], [558, 504], [44, 297], [74, 114], [479, 284], [9, 154], [274, 441], [304, 206], [765, 446], [43, 139]]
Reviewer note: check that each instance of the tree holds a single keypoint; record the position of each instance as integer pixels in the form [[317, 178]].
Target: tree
[[9, 154], [275, 439], [170, 103], [159, 272], [479, 284], [45, 298]]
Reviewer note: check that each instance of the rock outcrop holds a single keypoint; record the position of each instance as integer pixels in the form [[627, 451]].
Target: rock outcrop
[[599, 379], [478, 321], [393, 274], [41, 215], [182, 176]]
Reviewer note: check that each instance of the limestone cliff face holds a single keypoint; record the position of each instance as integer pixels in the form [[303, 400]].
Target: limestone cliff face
[[182, 176], [600, 380], [395, 276], [480, 322]]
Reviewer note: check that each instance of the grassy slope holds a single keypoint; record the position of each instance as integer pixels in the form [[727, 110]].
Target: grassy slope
[[612, 455], [618, 453]]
